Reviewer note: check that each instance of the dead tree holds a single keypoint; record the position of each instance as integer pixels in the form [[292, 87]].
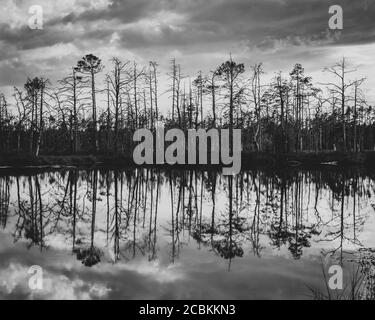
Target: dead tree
[[340, 89]]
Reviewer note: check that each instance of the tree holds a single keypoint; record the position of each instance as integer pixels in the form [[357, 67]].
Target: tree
[[91, 65], [175, 76], [340, 71], [36, 89], [71, 89], [22, 115], [4, 119], [154, 89], [282, 91], [210, 87], [301, 83], [118, 80], [358, 100], [229, 73], [257, 99]]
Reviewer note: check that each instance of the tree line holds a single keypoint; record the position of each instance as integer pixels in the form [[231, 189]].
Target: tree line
[[83, 114]]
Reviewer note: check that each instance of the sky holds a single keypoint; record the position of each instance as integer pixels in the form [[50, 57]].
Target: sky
[[199, 34]]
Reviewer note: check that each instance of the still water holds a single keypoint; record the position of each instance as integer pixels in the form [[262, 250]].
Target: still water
[[151, 234]]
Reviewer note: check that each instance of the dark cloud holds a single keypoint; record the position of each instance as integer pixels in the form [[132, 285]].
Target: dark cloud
[[201, 21], [125, 11], [24, 38], [242, 20]]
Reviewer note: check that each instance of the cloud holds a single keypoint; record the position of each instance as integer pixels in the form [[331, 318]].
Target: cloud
[[196, 22], [200, 33]]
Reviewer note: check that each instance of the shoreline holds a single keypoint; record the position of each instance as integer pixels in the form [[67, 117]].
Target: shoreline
[[249, 160]]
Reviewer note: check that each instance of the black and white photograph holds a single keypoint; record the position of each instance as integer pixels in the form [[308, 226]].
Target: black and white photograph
[[187, 150]]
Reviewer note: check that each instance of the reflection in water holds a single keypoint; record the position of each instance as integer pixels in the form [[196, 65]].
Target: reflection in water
[[112, 216]]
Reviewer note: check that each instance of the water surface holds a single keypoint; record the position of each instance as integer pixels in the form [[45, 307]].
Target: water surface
[[150, 234]]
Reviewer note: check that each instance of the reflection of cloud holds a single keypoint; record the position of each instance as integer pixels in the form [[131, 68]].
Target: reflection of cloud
[[197, 275], [14, 282], [153, 269], [11, 277]]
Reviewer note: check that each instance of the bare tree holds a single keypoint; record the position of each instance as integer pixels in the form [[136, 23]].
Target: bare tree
[[118, 80], [340, 89], [36, 95]]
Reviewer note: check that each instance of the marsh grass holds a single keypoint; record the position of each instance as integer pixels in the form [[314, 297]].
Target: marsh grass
[[359, 282]]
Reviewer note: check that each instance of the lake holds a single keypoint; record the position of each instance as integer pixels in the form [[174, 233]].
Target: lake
[[180, 234]]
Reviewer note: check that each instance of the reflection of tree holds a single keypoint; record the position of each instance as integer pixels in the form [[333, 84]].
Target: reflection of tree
[[116, 219], [133, 213], [255, 226], [141, 189], [203, 231], [113, 226], [73, 197], [189, 209], [174, 229], [300, 234], [66, 207], [152, 234], [226, 216], [293, 232], [229, 237], [91, 256], [338, 225], [224, 235], [33, 215], [4, 200], [278, 233]]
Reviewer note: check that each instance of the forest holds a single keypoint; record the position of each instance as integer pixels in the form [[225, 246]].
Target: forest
[[97, 109]]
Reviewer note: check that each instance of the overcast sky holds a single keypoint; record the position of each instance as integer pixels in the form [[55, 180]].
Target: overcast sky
[[200, 34]]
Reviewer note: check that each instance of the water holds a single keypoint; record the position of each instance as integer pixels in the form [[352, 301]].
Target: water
[[150, 234]]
